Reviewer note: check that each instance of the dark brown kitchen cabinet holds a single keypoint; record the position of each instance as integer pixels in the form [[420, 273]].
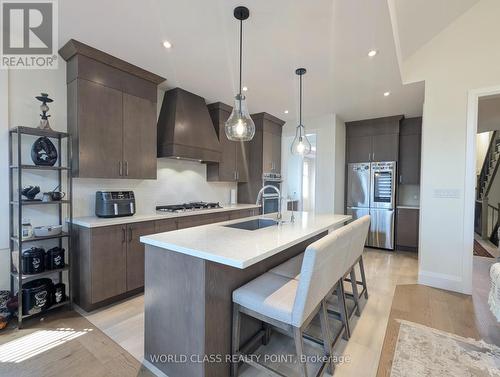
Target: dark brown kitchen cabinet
[[385, 147], [407, 228], [198, 220], [410, 140], [135, 253], [166, 225], [264, 155], [139, 137], [233, 215], [234, 155], [111, 114], [108, 263], [95, 120], [373, 140], [359, 149]]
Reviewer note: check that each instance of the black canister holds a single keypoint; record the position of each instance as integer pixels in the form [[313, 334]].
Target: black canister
[[37, 295], [54, 258], [33, 260], [59, 293]]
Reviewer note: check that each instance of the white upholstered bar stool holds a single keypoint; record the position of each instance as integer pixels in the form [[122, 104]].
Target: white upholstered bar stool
[[355, 257], [291, 304]]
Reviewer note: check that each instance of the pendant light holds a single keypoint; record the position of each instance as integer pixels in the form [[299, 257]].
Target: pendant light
[[300, 145], [240, 126]]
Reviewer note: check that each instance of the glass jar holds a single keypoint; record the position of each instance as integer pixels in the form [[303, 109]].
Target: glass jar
[[27, 229]]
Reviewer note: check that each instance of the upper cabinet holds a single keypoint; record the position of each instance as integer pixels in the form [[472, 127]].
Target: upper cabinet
[[373, 140], [264, 155], [111, 114], [410, 141], [233, 165]]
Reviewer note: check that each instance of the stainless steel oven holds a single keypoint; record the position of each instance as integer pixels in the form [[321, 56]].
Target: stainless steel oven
[[270, 198]]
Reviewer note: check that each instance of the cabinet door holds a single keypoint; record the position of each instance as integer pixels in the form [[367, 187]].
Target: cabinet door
[[276, 153], [135, 253], [407, 227], [166, 225], [205, 219], [139, 137], [359, 149], [100, 131], [108, 260], [267, 152], [409, 159], [239, 214], [242, 160], [385, 147]]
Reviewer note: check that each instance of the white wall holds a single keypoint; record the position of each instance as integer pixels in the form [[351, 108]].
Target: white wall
[[465, 56], [330, 160]]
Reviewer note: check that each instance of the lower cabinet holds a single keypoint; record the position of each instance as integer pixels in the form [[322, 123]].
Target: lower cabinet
[[108, 269], [135, 253], [407, 226], [109, 260]]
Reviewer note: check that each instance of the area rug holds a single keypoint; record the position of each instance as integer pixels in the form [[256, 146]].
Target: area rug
[[480, 251], [422, 351]]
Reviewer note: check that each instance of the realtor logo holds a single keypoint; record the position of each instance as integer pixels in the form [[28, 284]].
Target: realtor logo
[[29, 34]]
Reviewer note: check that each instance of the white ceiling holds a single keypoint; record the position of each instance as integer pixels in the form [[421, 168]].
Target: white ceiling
[[421, 20], [489, 114], [330, 38]]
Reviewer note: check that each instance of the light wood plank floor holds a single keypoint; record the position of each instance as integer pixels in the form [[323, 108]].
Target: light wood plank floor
[[124, 322], [463, 315], [64, 344]]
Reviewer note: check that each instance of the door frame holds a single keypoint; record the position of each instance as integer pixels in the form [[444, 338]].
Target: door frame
[[470, 178]]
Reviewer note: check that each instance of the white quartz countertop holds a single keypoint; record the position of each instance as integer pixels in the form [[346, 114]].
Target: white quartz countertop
[[408, 207], [242, 248], [94, 221]]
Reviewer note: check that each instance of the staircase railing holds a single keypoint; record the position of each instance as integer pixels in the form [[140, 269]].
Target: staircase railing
[[493, 215], [485, 179]]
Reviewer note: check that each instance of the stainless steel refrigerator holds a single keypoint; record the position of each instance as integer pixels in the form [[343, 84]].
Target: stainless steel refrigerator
[[371, 190]]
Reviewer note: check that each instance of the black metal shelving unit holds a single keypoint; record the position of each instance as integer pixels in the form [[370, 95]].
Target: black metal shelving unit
[[65, 212]]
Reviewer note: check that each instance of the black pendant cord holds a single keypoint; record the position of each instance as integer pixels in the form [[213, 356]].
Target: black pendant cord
[[241, 59], [300, 104]]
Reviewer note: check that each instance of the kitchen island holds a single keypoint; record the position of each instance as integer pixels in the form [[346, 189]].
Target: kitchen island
[[190, 275]]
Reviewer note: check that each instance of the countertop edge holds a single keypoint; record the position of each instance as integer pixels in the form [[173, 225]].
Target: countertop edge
[[101, 222], [231, 262]]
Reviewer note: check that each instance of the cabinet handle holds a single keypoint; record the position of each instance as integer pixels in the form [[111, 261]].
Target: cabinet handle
[[373, 156], [123, 235], [126, 168], [400, 179], [120, 168], [129, 234], [237, 175]]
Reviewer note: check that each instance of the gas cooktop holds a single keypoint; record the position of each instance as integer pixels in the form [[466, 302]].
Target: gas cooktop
[[191, 206]]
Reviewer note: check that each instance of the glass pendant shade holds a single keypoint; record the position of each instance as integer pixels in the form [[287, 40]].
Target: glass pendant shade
[[300, 145], [240, 126]]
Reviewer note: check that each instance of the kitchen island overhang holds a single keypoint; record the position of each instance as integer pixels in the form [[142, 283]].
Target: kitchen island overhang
[[190, 275]]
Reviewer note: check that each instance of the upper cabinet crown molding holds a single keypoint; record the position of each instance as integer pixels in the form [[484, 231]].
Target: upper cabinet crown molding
[[371, 127], [74, 47], [111, 114]]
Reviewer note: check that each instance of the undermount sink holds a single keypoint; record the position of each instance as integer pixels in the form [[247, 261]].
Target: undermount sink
[[253, 224]]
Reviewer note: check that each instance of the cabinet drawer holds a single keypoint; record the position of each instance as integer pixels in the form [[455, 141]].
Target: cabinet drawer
[[166, 225], [407, 227], [198, 220]]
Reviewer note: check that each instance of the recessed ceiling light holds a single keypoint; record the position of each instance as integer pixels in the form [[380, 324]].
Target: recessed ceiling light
[[372, 53], [387, 94], [245, 88], [167, 44], [286, 111]]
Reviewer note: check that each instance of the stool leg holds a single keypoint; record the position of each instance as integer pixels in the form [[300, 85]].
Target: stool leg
[[363, 277], [327, 338], [235, 343], [299, 346], [355, 293], [344, 316]]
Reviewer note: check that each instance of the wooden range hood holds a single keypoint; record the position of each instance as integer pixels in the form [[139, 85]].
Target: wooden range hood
[[185, 129]]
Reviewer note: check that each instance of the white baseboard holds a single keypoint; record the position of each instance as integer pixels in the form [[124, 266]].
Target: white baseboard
[[443, 281]]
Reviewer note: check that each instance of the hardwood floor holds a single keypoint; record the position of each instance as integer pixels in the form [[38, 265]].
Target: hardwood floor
[[64, 344], [384, 271], [459, 314]]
